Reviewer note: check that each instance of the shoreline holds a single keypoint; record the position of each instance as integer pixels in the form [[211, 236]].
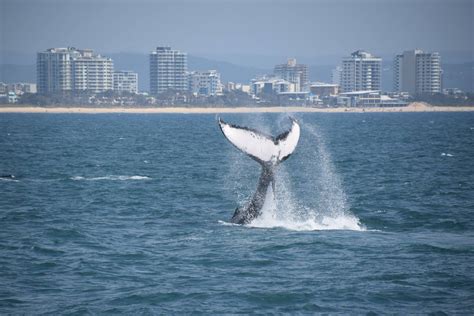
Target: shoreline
[[413, 107]]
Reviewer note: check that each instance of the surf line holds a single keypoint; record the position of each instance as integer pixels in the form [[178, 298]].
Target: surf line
[[269, 152]]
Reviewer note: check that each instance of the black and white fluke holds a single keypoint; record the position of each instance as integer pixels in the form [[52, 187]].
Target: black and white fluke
[[269, 152]]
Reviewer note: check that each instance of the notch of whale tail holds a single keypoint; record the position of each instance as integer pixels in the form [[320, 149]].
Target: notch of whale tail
[[267, 150]]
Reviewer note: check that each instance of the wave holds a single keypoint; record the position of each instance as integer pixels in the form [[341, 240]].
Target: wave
[[111, 178], [9, 179]]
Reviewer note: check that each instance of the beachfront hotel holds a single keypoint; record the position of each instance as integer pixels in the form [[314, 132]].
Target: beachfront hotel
[[126, 81], [293, 73], [167, 70], [417, 72], [361, 72], [67, 69]]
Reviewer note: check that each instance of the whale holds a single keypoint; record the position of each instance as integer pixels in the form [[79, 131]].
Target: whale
[[7, 176], [269, 152]]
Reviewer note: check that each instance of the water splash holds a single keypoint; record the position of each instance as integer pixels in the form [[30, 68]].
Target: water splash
[[324, 205], [447, 154]]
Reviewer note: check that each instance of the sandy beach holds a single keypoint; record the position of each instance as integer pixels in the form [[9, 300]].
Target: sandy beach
[[413, 107]]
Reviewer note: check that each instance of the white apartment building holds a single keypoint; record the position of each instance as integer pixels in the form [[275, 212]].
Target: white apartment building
[[417, 72], [167, 70], [92, 72], [66, 69], [361, 71], [126, 81], [204, 83]]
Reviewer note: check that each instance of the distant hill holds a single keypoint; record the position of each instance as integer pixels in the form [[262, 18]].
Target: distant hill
[[459, 75]]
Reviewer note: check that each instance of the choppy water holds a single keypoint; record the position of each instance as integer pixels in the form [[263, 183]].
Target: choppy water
[[129, 214]]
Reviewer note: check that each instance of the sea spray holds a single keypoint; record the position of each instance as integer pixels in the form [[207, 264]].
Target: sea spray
[[325, 204], [329, 205]]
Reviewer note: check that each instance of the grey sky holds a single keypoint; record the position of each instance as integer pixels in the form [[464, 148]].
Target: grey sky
[[216, 28]]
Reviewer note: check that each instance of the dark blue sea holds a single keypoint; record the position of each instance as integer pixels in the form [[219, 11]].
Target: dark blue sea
[[129, 214]]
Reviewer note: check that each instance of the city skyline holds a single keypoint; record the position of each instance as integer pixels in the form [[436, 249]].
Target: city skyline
[[302, 29], [361, 71]]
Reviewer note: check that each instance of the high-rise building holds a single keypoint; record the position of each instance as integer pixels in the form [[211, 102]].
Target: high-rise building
[[66, 69], [417, 72], [361, 72], [54, 69], [92, 72], [126, 81], [167, 70], [294, 73], [204, 83]]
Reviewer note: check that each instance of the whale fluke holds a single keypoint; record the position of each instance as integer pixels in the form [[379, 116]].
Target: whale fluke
[[261, 147], [267, 150]]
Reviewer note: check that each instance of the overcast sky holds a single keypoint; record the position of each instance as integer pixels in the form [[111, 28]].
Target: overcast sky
[[233, 27]]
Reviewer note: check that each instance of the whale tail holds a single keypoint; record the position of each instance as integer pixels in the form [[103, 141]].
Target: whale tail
[[269, 152], [265, 149]]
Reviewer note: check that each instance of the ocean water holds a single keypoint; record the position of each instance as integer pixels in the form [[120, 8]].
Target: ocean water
[[111, 214]]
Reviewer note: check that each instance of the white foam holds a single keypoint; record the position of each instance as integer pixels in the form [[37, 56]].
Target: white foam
[[447, 155], [111, 178], [342, 222], [228, 223], [345, 222]]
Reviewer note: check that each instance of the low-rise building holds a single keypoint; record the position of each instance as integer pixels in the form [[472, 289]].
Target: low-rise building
[[233, 86], [18, 88], [12, 97], [271, 85], [324, 89], [206, 83], [367, 98], [296, 98]]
